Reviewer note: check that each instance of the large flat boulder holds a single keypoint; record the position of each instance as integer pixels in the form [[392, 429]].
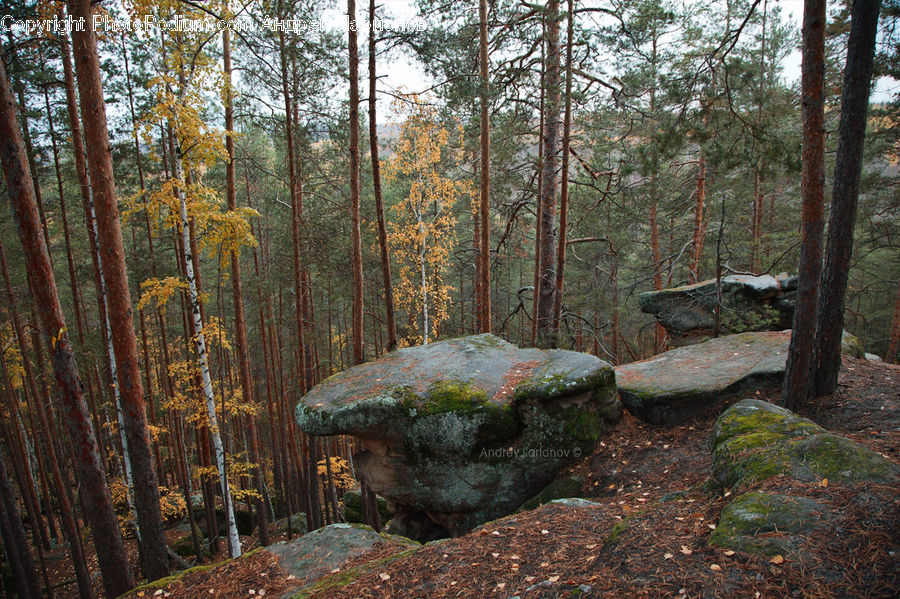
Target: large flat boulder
[[749, 303], [685, 382], [682, 383], [462, 431]]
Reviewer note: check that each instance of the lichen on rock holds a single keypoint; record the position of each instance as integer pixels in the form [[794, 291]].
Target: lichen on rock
[[462, 431]]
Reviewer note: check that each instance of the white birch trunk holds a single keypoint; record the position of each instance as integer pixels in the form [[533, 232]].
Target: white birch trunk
[[234, 541], [114, 375]]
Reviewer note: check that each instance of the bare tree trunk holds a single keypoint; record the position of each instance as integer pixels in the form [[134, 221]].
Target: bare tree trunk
[[240, 323], [119, 308], [847, 169], [564, 192], [484, 273], [699, 201], [894, 344], [15, 542], [550, 180], [797, 379], [117, 576], [376, 184], [355, 234]]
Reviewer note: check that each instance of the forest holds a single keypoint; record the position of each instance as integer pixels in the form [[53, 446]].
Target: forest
[[216, 205]]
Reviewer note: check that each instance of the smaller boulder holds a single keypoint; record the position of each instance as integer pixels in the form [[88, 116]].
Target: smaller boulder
[[754, 440], [318, 553], [746, 523]]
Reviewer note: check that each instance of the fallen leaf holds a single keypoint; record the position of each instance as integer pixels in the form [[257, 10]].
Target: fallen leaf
[[553, 578], [729, 553], [158, 593], [824, 483], [591, 546], [495, 554], [545, 532], [715, 567], [384, 576], [668, 556], [514, 556], [777, 559], [496, 533], [500, 585], [529, 579], [686, 550]]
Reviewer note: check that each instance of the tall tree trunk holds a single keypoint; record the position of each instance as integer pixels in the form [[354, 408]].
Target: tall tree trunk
[[240, 323], [15, 542], [564, 192], [118, 296], [550, 179], [355, 234], [234, 541], [894, 343], [847, 169], [376, 185], [538, 213], [117, 576], [798, 371], [484, 274], [699, 201]]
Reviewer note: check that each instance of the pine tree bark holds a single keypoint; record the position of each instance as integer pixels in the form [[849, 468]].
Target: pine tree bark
[[894, 343], [797, 380], [15, 542], [550, 180], [484, 273], [117, 576], [118, 295], [390, 321], [564, 191], [240, 322], [845, 193], [355, 234]]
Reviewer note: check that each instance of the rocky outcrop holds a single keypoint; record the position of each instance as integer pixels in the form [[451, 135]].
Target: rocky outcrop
[[685, 382], [749, 303], [463, 431], [682, 383], [755, 441]]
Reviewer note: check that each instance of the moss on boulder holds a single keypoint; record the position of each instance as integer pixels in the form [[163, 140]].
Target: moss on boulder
[[766, 523], [463, 431], [754, 440]]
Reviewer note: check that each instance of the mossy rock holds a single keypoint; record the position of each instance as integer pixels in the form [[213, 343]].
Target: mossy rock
[[465, 430], [353, 511], [767, 524], [755, 440], [316, 554], [298, 524], [562, 488]]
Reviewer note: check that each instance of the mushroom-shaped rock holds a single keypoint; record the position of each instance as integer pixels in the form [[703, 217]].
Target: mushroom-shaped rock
[[462, 431]]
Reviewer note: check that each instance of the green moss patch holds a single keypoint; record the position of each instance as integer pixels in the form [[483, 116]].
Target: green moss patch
[[765, 523], [754, 440]]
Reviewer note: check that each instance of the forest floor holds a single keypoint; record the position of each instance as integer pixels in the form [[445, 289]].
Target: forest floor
[[629, 544]]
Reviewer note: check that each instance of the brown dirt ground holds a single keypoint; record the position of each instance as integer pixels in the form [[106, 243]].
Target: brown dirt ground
[[662, 549]]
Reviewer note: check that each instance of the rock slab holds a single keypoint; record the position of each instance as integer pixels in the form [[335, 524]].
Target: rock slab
[[463, 431], [749, 303], [682, 383]]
